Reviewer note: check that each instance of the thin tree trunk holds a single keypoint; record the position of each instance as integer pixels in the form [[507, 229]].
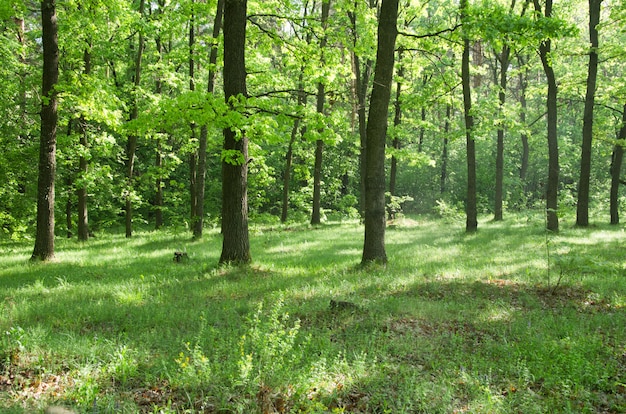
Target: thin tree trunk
[[444, 153], [131, 146], [397, 120], [471, 209], [158, 200], [193, 156], [374, 243], [319, 144], [552, 194], [582, 207], [361, 82], [523, 81], [289, 155], [499, 194], [236, 244], [616, 170], [44, 240], [202, 142], [83, 215]]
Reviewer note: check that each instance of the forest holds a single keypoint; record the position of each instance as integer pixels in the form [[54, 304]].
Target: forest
[[185, 175]]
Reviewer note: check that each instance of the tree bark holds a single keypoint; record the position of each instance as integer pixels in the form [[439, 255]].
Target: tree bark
[[552, 191], [374, 244], [471, 209], [616, 170], [582, 207], [236, 244], [44, 240], [202, 141], [319, 144], [193, 156], [131, 146]]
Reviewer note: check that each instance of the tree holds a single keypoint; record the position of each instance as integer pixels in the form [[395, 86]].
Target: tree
[[198, 224], [319, 143], [552, 191], [471, 208], [374, 244], [44, 241], [131, 145], [582, 207], [616, 169], [236, 245]]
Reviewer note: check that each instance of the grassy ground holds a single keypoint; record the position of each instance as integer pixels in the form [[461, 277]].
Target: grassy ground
[[507, 320]]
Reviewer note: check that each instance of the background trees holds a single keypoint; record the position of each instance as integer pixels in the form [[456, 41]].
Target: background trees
[[108, 101]]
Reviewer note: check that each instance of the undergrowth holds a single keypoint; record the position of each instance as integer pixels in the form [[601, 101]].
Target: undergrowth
[[481, 323]]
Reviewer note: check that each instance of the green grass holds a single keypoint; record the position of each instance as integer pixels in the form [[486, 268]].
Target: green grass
[[454, 323]]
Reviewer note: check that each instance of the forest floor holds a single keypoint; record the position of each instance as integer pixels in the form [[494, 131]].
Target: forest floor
[[507, 320]]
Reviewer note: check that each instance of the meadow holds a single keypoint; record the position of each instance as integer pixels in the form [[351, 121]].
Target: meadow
[[507, 320]]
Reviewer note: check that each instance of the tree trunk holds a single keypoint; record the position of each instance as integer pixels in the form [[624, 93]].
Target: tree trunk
[[471, 209], [44, 240], [83, 216], [504, 67], [236, 245], [582, 208], [616, 170], [552, 191], [444, 153], [523, 81], [131, 146], [374, 244], [361, 82], [158, 201], [202, 142], [397, 120], [319, 144]]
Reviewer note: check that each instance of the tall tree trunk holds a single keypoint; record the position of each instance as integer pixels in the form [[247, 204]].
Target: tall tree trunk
[[471, 209], [158, 161], [193, 155], [444, 153], [131, 146], [289, 154], [236, 244], [499, 195], [202, 142], [582, 208], [83, 164], [552, 191], [374, 244], [44, 240], [616, 169], [319, 144], [361, 82], [523, 81], [397, 120]]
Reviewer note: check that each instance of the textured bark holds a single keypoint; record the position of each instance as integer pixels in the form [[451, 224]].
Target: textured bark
[[582, 207], [616, 170], [374, 244], [236, 244], [131, 146], [319, 144], [471, 209], [44, 240], [202, 141], [552, 191]]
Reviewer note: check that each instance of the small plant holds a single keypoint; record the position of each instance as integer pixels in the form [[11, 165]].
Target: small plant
[[395, 203]]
